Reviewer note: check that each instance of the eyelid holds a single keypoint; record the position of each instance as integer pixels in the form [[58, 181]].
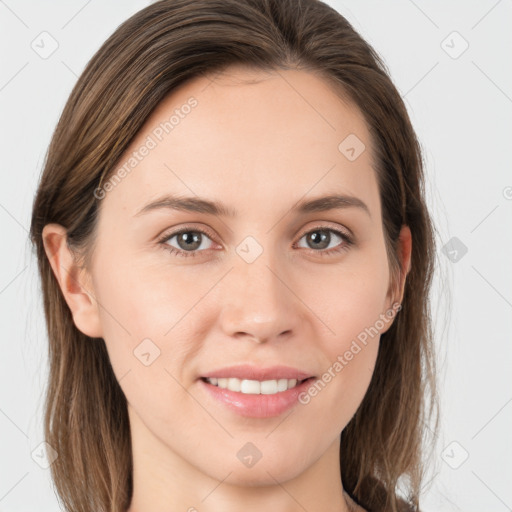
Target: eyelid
[[325, 226], [188, 227], [166, 234], [343, 232]]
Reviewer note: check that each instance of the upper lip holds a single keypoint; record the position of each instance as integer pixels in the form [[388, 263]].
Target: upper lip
[[251, 372]]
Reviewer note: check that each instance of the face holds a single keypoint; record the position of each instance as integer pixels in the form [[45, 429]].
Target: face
[[185, 292]]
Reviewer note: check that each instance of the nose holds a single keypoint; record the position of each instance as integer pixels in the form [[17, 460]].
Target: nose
[[260, 301]]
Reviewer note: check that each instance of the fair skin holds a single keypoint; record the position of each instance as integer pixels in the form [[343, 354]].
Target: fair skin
[[258, 148]]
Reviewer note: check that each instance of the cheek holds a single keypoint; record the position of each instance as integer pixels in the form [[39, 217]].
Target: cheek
[[353, 301], [354, 310], [137, 311], [147, 315], [146, 301], [128, 314], [347, 373]]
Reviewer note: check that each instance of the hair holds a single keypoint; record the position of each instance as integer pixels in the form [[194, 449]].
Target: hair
[[146, 58]]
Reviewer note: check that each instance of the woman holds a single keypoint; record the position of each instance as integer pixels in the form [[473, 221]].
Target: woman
[[242, 366]]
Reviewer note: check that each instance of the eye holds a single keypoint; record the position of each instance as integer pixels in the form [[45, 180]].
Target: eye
[[188, 241], [320, 238], [191, 240]]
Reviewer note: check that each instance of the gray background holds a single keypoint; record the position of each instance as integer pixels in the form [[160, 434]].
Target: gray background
[[460, 103]]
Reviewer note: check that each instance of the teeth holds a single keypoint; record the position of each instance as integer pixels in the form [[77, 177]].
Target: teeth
[[254, 387], [233, 384]]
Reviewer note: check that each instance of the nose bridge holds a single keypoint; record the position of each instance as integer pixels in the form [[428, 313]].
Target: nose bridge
[[260, 302]]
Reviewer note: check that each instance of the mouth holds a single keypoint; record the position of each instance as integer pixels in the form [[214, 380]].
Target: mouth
[[255, 387], [253, 392]]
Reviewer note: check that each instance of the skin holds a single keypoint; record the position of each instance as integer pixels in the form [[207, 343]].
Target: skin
[[258, 142]]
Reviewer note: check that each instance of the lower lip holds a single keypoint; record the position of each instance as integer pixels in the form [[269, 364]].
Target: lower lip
[[257, 406]]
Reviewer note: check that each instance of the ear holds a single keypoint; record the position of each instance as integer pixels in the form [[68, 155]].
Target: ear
[[396, 291], [405, 251], [74, 281]]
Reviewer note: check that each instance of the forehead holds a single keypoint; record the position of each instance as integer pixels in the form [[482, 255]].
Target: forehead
[[253, 136]]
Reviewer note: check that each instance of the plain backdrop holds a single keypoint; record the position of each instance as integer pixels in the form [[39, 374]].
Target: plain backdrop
[[451, 63]]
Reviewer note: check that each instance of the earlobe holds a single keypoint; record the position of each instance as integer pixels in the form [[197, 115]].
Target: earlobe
[[74, 281]]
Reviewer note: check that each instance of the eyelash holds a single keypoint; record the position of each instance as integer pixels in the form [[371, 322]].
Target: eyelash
[[348, 241]]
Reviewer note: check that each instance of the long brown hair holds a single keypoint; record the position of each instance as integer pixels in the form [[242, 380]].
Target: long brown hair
[[146, 58]]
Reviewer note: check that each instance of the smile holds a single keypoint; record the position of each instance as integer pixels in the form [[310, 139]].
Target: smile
[[254, 387]]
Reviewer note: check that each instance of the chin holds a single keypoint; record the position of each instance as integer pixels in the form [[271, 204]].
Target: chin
[[263, 472]]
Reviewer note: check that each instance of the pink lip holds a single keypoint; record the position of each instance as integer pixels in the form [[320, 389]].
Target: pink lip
[[252, 405], [257, 406], [251, 372]]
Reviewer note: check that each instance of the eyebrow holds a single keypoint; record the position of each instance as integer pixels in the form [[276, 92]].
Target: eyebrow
[[201, 205]]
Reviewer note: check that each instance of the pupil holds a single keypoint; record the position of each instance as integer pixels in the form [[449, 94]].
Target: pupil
[[190, 243], [323, 237]]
